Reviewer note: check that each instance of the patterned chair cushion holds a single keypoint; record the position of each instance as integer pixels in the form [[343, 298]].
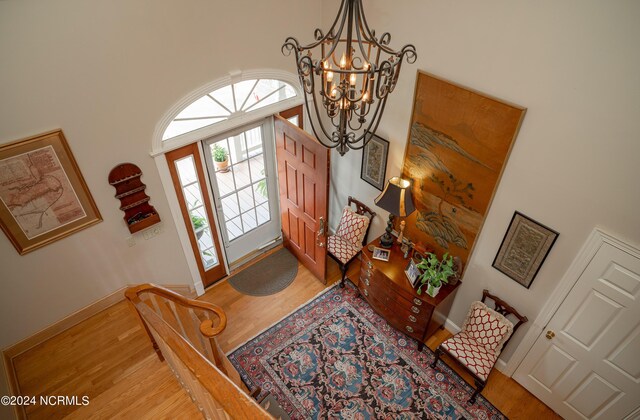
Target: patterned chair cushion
[[477, 358], [487, 327], [352, 226], [341, 248], [480, 342]]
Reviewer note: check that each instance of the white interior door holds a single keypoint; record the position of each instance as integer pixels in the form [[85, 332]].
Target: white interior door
[[246, 192], [586, 363]]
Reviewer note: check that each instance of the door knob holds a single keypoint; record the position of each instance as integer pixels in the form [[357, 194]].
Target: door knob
[[550, 334]]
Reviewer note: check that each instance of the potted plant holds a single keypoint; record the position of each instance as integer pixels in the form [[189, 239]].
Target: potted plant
[[435, 272], [198, 223], [220, 158]]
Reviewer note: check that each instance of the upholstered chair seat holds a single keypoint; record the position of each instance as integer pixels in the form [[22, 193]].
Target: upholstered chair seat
[[484, 334], [350, 236]]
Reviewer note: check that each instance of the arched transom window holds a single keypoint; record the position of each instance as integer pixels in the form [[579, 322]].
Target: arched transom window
[[228, 102]]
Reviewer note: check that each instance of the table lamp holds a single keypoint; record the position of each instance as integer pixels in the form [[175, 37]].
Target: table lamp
[[397, 200]]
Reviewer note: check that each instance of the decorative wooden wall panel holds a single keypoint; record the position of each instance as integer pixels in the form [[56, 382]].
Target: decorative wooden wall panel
[[459, 141]]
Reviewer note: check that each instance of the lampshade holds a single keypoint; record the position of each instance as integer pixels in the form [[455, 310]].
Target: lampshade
[[396, 197]]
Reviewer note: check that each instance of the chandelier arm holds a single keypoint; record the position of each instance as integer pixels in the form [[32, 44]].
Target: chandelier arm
[[318, 34], [372, 128], [313, 128], [382, 87], [335, 40], [290, 44], [311, 121], [370, 35], [359, 32]]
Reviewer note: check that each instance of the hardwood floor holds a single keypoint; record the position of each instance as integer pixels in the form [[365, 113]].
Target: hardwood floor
[[109, 359]]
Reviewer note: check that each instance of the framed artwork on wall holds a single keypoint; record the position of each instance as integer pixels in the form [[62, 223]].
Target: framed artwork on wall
[[459, 141], [374, 162], [524, 248], [43, 196]]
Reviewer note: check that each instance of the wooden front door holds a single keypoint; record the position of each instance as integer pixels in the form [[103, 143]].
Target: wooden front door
[[303, 173], [586, 362]]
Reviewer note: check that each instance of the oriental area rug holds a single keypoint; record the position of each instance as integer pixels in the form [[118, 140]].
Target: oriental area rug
[[336, 358]]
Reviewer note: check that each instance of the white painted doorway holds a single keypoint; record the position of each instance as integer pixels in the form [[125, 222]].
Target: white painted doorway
[[246, 192], [586, 362]]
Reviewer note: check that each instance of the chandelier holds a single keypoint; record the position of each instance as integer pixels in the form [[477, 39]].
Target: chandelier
[[349, 73]]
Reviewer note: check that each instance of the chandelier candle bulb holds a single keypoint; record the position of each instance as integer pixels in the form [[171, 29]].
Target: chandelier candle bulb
[[329, 76], [343, 61], [328, 81]]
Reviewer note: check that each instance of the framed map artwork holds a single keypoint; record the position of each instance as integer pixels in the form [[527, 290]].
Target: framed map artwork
[[43, 196]]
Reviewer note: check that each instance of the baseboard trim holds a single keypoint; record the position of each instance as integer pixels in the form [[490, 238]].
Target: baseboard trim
[[451, 326], [11, 352]]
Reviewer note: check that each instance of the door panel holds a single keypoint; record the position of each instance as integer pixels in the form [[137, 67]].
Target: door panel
[[246, 189], [303, 169], [187, 174], [591, 368]]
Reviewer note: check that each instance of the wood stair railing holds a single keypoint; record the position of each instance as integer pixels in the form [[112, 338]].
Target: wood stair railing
[[183, 332]]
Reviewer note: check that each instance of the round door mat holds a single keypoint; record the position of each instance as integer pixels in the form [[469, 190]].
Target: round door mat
[[268, 276]]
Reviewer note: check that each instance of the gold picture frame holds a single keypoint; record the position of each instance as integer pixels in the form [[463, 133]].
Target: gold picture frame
[[43, 196]]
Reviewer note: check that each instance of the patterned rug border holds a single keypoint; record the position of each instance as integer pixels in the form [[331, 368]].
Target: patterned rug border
[[444, 368]]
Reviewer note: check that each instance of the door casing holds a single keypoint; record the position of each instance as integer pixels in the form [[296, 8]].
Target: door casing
[[596, 242]]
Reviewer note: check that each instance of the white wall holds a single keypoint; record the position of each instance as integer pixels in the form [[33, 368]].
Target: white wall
[[106, 72], [575, 65]]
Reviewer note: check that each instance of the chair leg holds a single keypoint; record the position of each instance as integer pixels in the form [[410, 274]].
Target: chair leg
[[479, 387], [343, 268], [435, 359]]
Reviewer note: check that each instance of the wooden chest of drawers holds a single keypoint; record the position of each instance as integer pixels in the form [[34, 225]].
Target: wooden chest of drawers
[[386, 288]]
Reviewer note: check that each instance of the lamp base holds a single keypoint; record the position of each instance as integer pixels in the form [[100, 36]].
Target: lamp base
[[386, 240]]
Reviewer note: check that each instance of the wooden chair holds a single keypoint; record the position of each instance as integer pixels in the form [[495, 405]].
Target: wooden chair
[[484, 334], [351, 235]]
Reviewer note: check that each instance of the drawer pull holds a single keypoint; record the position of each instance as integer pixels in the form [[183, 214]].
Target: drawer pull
[[415, 310], [412, 318], [366, 281], [366, 292], [369, 264], [417, 301], [408, 328]]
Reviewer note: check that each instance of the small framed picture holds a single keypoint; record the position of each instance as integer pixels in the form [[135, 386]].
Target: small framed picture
[[412, 272], [381, 254], [524, 248], [374, 162]]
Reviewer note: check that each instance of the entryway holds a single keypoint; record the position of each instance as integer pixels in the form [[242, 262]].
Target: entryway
[[252, 195]]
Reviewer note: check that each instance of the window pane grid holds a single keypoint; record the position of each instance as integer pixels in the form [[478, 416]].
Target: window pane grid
[[222, 103], [242, 187], [199, 220]]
